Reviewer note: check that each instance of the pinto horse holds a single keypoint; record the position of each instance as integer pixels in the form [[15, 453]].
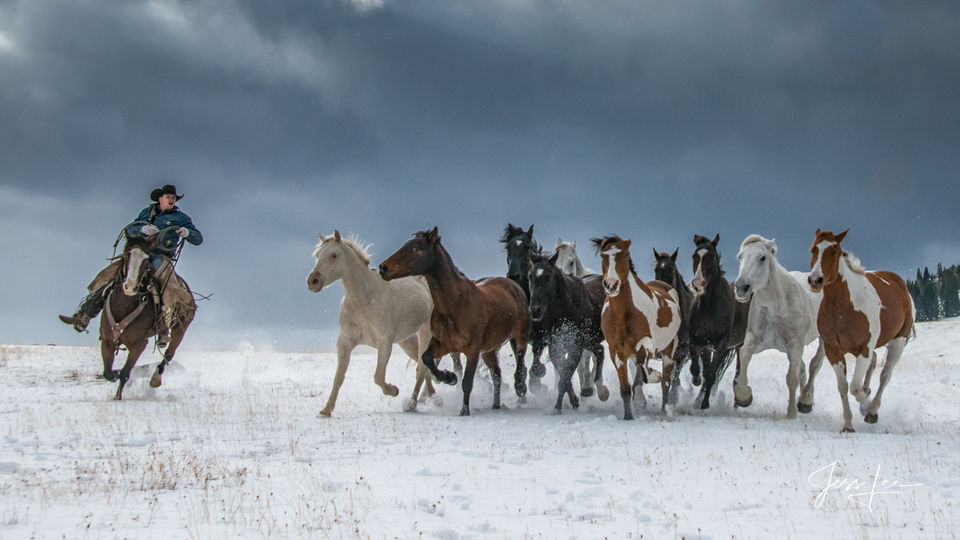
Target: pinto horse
[[130, 315], [861, 311], [568, 309], [666, 271], [471, 317], [718, 323], [639, 320]]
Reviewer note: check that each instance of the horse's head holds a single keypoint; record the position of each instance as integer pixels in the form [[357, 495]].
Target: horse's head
[[520, 245], [543, 276], [666, 267], [136, 262], [706, 263], [756, 256], [825, 259], [616, 263], [567, 261], [414, 258], [329, 254]]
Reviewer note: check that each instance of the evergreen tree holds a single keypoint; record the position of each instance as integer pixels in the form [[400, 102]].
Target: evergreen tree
[[949, 293]]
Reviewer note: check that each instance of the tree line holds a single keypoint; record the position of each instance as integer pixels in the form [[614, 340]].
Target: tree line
[[936, 296]]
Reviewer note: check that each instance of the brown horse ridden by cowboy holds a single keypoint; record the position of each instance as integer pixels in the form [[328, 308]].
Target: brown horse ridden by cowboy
[[639, 319], [164, 221], [471, 317], [860, 311]]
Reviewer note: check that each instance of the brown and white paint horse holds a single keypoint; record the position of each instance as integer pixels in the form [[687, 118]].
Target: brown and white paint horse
[[860, 312], [639, 319]]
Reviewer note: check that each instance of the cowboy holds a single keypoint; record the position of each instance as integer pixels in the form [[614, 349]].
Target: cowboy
[[175, 295]]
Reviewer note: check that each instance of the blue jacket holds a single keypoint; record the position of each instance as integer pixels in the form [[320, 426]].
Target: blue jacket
[[167, 243]]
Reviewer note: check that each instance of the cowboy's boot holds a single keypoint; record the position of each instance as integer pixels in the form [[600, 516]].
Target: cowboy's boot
[[164, 322], [89, 308]]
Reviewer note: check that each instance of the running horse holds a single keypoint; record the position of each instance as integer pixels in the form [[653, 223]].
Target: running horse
[[130, 315], [638, 320], [666, 271], [472, 317], [861, 311]]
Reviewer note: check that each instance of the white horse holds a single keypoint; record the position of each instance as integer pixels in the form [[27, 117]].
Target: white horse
[[569, 263], [373, 312], [783, 316]]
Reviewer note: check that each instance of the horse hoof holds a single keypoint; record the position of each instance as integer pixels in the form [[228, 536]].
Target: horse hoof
[[848, 430], [521, 399], [697, 380], [586, 392], [556, 412], [391, 390], [538, 369], [155, 381], [465, 411], [520, 389], [448, 378], [871, 418], [743, 402], [603, 393], [628, 417], [111, 375], [804, 408], [410, 405], [326, 413]]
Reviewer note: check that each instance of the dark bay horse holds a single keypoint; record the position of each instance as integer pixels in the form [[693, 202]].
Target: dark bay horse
[[568, 309], [520, 245], [639, 319], [718, 323], [471, 317], [666, 271], [130, 315], [860, 311]]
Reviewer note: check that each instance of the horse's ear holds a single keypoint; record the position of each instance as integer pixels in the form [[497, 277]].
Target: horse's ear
[[530, 231], [559, 242], [842, 235], [574, 244], [320, 234], [772, 244], [716, 240], [675, 252], [336, 235], [553, 259], [433, 235], [656, 254], [626, 244]]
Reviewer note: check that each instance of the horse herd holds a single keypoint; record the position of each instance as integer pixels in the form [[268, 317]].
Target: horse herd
[[419, 299]]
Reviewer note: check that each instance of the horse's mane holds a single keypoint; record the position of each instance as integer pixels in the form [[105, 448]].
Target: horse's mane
[[599, 243], [752, 239], [540, 257], [443, 251], [854, 263], [510, 232], [354, 243]]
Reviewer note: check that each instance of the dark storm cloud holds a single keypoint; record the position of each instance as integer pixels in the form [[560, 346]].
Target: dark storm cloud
[[651, 120]]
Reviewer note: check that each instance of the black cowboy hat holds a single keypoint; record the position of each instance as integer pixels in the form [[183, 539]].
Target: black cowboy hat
[[167, 189]]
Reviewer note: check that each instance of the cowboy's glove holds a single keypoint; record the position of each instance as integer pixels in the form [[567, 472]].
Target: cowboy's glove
[[149, 230], [183, 232]]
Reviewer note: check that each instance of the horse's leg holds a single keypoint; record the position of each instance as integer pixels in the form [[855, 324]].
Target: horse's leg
[[493, 364], [680, 357], [742, 393], [457, 364], [467, 385], [839, 365], [520, 373], [344, 348], [572, 358], [537, 368], [585, 375], [696, 365], [869, 374], [805, 404], [107, 352], [620, 363], [176, 338], [667, 376], [794, 373], [559, 356], [429, 360], [380, 373], [894, 350], [859, 370], [134, 350], [709, 372], [602, 391], [642, 376]]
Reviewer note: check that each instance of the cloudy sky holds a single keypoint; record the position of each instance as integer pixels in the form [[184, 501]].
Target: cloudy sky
[[278, 120]]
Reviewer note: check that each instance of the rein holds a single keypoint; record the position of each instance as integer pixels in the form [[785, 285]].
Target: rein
[[117, 328]]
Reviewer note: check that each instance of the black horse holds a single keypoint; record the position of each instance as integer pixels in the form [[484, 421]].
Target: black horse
[[667, 272], [520, 245], [568, 309], [718, 323]]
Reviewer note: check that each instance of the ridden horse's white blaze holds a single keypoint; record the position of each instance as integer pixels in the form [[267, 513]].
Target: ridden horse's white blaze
[[135, 259]]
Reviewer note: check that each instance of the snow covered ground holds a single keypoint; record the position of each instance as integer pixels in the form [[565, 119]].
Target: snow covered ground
[[231, 446]]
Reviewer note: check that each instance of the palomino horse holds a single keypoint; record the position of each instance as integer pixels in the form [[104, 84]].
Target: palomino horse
[[130, 315], [470, 317], [373, 312], [783, 316], [519, 245], [639, 320], [718, 323], [860, 312], [568, 308], [666, 271]]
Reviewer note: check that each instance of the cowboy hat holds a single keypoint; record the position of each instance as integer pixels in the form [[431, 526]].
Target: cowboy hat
[[167, 189]]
